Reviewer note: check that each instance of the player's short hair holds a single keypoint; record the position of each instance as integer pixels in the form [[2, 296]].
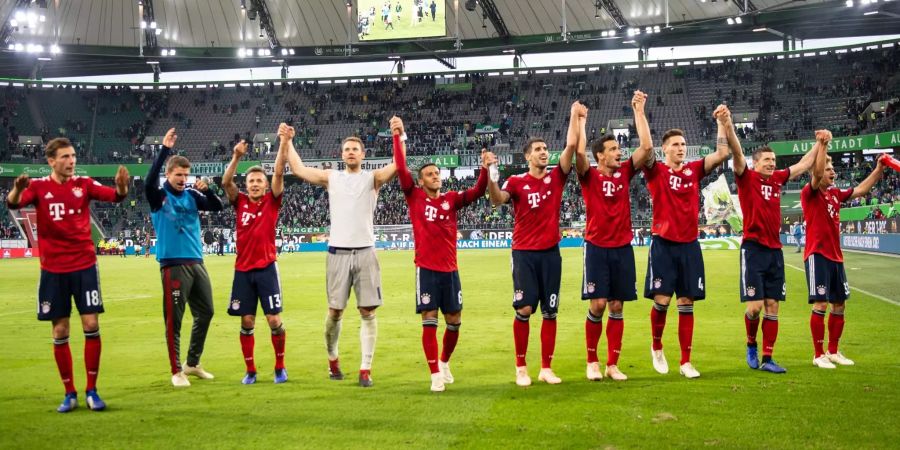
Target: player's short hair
[[598, 146], [353, 139], [672, 133], [759, 151], [526, 149], [255, 169], [177, 161], [425, 166], [54, 145]]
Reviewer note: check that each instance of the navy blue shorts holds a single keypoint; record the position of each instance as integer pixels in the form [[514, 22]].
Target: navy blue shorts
[[762, 272], [608, 273], [438, 290], [56, 290], [263, 285], [536, 275], [675, 268], [826, 280]]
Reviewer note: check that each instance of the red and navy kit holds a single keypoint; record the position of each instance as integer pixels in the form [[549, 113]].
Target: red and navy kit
[[64, 220], [676, 200], [434, 219], [822, 210], [536, 203], [761, 204], [608, 206], [255, 228]]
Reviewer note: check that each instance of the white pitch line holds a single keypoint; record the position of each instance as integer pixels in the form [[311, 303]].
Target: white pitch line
[[884, 299]]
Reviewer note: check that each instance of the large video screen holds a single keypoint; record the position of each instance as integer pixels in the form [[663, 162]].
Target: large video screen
[[380, 20]]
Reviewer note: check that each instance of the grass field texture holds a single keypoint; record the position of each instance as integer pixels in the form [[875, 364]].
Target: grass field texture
[[729, 406]]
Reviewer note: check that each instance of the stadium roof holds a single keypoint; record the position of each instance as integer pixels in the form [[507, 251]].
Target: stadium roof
[[104, 36]]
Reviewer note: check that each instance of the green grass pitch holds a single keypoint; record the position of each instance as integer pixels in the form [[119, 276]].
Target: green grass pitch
[[729, 406]]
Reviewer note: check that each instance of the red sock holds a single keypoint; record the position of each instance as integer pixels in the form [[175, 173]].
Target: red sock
[[63, 356], [817, 328], [520, 335], [752, 326], [92, 347], [658, 324], [770, 334], [430, 345], [835, 329], [278, 344], [593, 328], [548, 342], [615, 326], [685, 331], [247, 344], [451, 336]]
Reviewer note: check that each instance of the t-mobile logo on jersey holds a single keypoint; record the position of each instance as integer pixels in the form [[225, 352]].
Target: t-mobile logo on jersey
[[430, 213], [57, 210], [534, 199], [675, 182], [246, 218], [609, 188], [767, 192]]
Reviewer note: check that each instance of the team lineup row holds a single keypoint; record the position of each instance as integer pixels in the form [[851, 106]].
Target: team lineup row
[[674, 269]]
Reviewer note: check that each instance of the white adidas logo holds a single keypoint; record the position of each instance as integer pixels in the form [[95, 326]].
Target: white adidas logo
[[48, 196], [526, 188]]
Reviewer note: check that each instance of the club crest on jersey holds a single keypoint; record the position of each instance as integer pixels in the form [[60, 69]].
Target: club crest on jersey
[[751, 291], [519, 295], [591, 287], [617, 175], [820, 289], [426, 298], [45, 307], [547, 180], [688, 172], [657, 283], [235, 304], [77, 192], [445, 206]]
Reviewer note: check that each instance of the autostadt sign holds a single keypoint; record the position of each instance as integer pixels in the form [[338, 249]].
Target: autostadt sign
[[840, 144]]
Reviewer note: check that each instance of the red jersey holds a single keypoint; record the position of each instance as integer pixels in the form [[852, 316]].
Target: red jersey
[[255, 230], [608, 205], [761, 204], [676, 200], [434, 223], [536, 203], [822, 211], [434, 219], [64, 220]]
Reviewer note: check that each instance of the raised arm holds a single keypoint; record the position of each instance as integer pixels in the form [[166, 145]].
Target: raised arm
[[863, 188], [278, 173], [153, 190], [20, 195], [805, 163], [498, 196], [723, 149], [206, 199], [737, 151], [228, 184], [311, 175], [572, 137], [385, 174], [397, 131], [475, 192], [645, 148], [582, 164], [823, 137]]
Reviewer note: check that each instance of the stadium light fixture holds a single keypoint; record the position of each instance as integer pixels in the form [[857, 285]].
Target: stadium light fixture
[[42, 18], [730, 21], [19, 47], [153, 25], [55, 50], [153, 63], [241, 53], [756, 30], [870, 13], [291, 51], [143, 24], [738, 20], [656, 29], [158, 31], [849, 3], [20, 16], [44, 58], [13, 23]]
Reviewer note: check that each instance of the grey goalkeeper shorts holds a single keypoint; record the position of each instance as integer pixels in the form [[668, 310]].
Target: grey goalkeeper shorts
[[356, 268]]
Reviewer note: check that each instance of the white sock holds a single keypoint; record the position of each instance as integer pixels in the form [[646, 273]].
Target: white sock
[[332, 334], [368, 331]]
